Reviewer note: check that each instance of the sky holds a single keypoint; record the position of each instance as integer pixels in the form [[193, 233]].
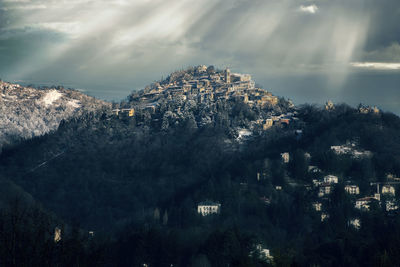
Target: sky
[[308, 51]]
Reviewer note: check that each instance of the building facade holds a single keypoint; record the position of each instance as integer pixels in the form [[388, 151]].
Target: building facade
[[208, 207], [352, 189], [331, 179], [388, 189], [285, 157]]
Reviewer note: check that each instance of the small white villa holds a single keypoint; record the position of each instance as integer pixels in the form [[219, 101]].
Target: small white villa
[[331, 179], [208, 207]]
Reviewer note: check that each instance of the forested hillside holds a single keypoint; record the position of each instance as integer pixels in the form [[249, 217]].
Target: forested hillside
[[26, 112], [202, 168], [139, 184]]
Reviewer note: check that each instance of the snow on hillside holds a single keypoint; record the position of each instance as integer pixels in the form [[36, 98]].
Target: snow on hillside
[[243, 133], [50, 97], [74, 103], [27, 112]]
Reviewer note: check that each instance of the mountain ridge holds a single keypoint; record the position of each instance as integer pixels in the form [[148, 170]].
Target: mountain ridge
[[26, 112]]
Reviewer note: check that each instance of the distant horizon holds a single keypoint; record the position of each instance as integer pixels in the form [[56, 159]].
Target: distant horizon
[[279, 87]]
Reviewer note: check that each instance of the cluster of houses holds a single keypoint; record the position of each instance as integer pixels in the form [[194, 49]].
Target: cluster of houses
[[368, 109], [387, 190], [209, 86], [325, 187], [384, 196], [350, 148], [361, 109], [264, 124], [128, 112], [281, 119], [204, 86]]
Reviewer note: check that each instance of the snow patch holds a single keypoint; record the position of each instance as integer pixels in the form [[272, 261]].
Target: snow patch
[[74, 103], [243, 133], [50, 97]]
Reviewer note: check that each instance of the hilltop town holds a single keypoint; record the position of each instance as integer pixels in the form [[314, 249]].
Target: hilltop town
[[200, 93], [205, 83]]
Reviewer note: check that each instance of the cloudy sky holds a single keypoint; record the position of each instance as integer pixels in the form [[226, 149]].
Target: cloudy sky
[[308, 51]]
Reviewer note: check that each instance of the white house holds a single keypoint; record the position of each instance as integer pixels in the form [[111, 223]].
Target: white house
[[314, 169], [324, 216], [364, 203], [285, 157], [324, 189], [317, 206], [350, 149], [331, 179], [391, 205], [57, 235], [388, 189], [356, 223], [208, 207], [263, 253], [352, 189], [341, 149], [316, 182]]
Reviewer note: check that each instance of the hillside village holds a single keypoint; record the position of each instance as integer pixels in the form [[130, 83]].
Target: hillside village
[[384, 196], [324, 185], [205, 83], [379, 195], [203, 89]]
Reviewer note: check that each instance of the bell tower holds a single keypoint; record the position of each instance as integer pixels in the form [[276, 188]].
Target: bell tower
[[227, 76]]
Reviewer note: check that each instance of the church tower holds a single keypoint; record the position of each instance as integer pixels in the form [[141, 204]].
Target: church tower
[[227, 76]]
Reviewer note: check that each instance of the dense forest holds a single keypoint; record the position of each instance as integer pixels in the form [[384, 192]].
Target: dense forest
[[135, 184]]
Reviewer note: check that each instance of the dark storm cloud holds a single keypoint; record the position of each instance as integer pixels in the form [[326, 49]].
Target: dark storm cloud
[[384, 25], [127, 44], [390, 53], [277, 32]]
